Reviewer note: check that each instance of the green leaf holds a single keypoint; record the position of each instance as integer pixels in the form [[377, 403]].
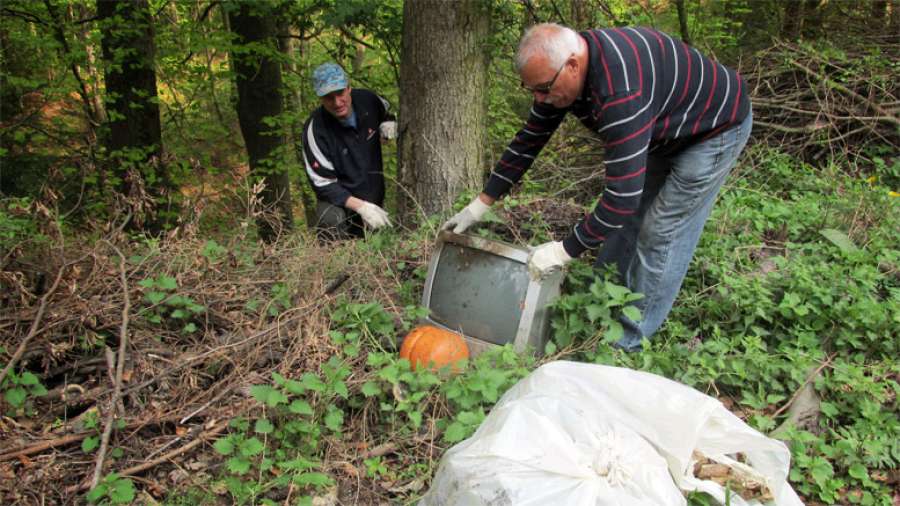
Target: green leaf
[[299, 407], [224, 446], [455, 432], [252, 446], [16, 397], [167, 283], [28, 378], [821, 471], [297, 464], [178, 314], [596, 311], [370, 388], [314, 479], [839, 239], [238, 465], [340, 388], [416, 418], [146, 283], [334, 419], [190, 328], [615, 291], [263, 426], [122, 491], [614, 333], [90, 444], [312, 382], [155, 297], [858, 471], [97, 493], [632, 313]]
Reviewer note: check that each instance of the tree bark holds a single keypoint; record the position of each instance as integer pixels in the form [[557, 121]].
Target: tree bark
[[581, 15], [258, 80], [793, 19], [294, 104], [683, 21], [443, 82], [133, 136]]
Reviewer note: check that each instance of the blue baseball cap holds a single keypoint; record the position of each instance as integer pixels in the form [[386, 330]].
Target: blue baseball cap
[[329, 77]]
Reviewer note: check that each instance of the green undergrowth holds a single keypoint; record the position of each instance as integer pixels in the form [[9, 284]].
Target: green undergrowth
[[795, 280]]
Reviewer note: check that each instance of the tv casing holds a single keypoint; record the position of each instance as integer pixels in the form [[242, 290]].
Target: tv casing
[[533, 328]]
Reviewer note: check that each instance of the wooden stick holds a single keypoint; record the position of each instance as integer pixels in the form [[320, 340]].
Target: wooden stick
[[120, 369], [33, 331], [213, 431], [808, 380]]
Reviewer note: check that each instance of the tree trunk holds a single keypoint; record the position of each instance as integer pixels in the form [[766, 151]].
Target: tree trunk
[[294, 104], [133, 137], [258, 80], [443, 82], [581, 15], [793, 19], [683, 21]]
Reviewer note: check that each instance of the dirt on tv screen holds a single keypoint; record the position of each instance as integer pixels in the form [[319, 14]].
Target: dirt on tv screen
[[478, 293]]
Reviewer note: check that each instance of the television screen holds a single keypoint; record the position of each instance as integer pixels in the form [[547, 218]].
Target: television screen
[[478, 293]]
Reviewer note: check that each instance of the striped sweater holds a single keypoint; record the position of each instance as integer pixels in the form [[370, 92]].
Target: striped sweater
[[645, 93]]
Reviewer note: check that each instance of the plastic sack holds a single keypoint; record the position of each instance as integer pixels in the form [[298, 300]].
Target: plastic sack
[[589, 435]]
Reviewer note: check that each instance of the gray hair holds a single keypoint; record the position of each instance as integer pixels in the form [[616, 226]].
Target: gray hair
[[554, 41]]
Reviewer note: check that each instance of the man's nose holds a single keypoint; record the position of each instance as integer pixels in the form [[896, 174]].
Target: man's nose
[[540, 96]]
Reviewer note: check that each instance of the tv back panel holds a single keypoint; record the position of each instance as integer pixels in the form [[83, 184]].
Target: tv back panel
[[481, 289]]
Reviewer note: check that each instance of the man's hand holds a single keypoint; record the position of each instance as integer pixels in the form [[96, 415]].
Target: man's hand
[[470, 215], [547, 257], [374, 216], [388, 130]]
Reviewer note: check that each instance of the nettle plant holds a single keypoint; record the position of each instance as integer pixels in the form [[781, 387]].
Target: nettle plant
[[20, 389], [168, 307], [280, 446], [587, 316]]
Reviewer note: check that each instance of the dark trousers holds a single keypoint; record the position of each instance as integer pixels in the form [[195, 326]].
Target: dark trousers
[[336, 222]]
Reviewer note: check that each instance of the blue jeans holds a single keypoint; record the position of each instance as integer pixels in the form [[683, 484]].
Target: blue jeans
[[652, 251]]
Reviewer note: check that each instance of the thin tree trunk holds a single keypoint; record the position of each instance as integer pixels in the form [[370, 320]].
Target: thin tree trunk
[[443, 78], [683, 21], [580, 14], [294, 104], [258, 79]]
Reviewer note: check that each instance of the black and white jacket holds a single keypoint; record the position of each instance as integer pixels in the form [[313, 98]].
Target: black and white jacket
[[343, 161]]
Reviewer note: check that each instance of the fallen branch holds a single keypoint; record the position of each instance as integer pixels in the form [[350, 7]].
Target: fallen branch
[[213, 431], [809, 378], [33, 331], [120, 369]]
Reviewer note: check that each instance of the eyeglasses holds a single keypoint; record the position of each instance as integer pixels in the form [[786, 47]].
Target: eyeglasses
[[546, 87]]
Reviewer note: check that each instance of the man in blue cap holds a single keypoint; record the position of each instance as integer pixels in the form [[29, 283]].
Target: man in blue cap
[[342, 154]]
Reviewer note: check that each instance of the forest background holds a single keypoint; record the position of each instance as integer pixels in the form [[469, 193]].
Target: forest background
[[171, 332]]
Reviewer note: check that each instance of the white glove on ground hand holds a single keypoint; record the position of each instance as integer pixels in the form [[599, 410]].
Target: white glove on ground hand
[[388, 130], [470, 215], [374, 216], [547, 257]]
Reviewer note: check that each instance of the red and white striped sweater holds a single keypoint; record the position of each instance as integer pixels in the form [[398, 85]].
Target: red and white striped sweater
[[645, 92]]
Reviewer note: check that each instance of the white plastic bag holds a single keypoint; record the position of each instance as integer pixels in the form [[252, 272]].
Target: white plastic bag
[[587, 435]]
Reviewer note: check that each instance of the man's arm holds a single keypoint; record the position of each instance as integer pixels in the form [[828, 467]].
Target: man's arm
[[543, 120], [518, 157], [317, 158]]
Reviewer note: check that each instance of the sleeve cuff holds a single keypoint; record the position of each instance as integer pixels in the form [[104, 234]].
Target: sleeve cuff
[[573, 246]]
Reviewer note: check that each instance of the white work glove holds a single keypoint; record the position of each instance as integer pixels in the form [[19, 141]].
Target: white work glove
[[546, 258], [374, 216], [470, 215], [388, 130]]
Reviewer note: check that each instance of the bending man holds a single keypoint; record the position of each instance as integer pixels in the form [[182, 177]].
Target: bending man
[[673, 123]]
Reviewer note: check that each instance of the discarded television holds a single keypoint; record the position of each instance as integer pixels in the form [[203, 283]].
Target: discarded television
[[481, 289]]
